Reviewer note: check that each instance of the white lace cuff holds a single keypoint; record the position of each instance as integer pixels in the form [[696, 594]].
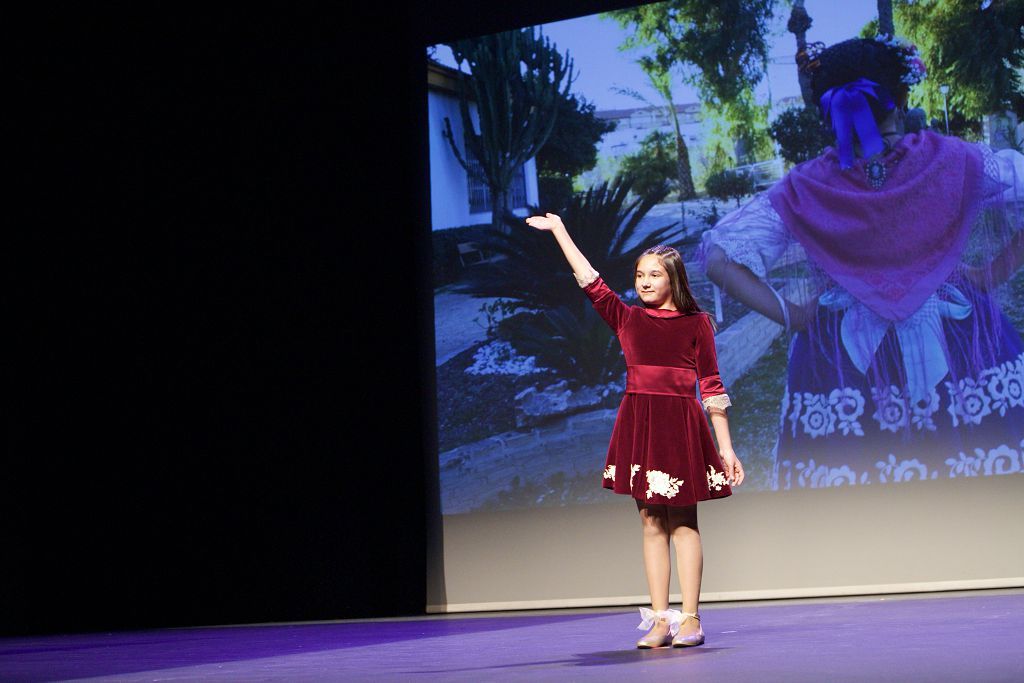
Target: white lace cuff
[[719, 401], [585, 280]]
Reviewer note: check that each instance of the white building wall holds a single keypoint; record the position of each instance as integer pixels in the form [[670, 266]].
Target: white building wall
[[532, 195], [630, 132], [449, 191], [449, 188]]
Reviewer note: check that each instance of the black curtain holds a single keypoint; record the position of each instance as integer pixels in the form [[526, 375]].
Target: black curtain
[[223, 407]]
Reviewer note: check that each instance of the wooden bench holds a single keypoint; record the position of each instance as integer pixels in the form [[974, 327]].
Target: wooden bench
[[470, 252]]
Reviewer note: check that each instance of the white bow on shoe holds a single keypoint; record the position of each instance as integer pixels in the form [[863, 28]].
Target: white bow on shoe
[[672, 616]]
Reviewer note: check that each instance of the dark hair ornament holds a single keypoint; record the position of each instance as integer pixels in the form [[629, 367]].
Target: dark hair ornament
[[809, 59]]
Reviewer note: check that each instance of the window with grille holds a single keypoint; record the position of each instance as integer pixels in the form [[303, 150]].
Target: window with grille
[[480, 194]]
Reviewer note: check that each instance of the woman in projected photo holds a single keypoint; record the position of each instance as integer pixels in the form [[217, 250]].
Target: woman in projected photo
[[661, 451], [902, 365]]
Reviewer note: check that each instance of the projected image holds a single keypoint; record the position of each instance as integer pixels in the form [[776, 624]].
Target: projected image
[[865, 279]]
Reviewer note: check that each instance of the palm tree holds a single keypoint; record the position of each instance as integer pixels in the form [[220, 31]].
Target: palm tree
[[661, 80], [558, 325], [603, 221]]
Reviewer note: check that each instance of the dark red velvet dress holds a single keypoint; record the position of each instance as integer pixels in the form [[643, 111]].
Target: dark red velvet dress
[[661, 450]]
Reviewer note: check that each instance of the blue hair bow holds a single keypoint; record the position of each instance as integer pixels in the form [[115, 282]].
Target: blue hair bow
[[848, 108]]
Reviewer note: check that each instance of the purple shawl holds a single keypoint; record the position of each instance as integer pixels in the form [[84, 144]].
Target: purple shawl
[[890, 248]]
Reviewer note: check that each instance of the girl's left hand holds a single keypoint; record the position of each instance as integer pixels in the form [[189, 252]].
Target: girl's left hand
[[733, 466], [548, 222]]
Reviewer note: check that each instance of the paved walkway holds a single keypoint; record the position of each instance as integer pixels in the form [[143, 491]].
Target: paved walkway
[[455, 325]]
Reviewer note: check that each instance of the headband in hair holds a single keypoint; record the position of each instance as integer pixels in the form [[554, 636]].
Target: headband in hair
[[848, 108]]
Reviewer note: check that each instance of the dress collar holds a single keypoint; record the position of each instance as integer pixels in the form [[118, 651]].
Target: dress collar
[[662, 313]]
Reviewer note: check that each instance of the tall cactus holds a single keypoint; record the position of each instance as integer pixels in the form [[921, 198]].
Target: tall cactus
[[516, 79]]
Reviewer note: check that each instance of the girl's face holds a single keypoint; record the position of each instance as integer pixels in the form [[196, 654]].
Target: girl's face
[[652, 283]]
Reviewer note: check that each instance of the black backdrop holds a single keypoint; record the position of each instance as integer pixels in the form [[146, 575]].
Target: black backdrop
[[224, 403]]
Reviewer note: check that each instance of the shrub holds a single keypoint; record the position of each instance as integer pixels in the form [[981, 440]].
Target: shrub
[[555, 192], [571, 340], [562, 329], [801, 134], [654, 165], [531, 269], [729, 185]]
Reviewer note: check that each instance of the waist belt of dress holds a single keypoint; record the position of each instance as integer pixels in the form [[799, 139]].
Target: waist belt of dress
[[660, 379]]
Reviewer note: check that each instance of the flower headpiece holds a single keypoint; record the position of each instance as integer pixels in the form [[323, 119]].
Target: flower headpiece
[[914, 70]]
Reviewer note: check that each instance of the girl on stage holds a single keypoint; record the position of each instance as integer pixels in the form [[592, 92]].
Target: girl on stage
[[661, 452], [902, 366]]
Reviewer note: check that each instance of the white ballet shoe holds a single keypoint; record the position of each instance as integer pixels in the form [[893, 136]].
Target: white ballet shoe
[[668, 619], [691, 639]]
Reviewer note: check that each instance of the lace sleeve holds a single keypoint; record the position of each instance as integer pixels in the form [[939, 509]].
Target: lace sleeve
[[712, 391], [587, 278], [718, 402], [1005, 170], [753, 236], [1011, 175], [1006, 167]]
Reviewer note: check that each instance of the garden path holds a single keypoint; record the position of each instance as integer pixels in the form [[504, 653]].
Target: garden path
[[455, 325]]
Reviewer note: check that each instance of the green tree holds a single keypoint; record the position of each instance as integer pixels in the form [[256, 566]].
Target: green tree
[[653, 166], [733, 133], [719, 46], [801, 134], [716, 154], [661, 80], [870, 29], [517, 79], [570, 150], [978, 53], [746, 124], [729, 185]]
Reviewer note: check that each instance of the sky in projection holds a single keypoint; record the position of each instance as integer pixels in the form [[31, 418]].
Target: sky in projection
[[604, 70]]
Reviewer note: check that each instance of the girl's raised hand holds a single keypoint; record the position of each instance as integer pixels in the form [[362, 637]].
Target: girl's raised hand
[[548, 221]]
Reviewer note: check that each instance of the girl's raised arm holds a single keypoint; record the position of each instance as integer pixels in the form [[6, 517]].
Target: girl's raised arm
[[581, 267], [606, 302]]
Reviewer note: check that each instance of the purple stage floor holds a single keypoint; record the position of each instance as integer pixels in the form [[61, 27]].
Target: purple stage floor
[[972, 636]]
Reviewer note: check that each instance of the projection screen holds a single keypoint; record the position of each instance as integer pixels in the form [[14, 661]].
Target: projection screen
[[867, 492]]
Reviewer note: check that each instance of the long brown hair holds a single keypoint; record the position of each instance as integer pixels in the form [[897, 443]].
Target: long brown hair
[[682, 295]]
